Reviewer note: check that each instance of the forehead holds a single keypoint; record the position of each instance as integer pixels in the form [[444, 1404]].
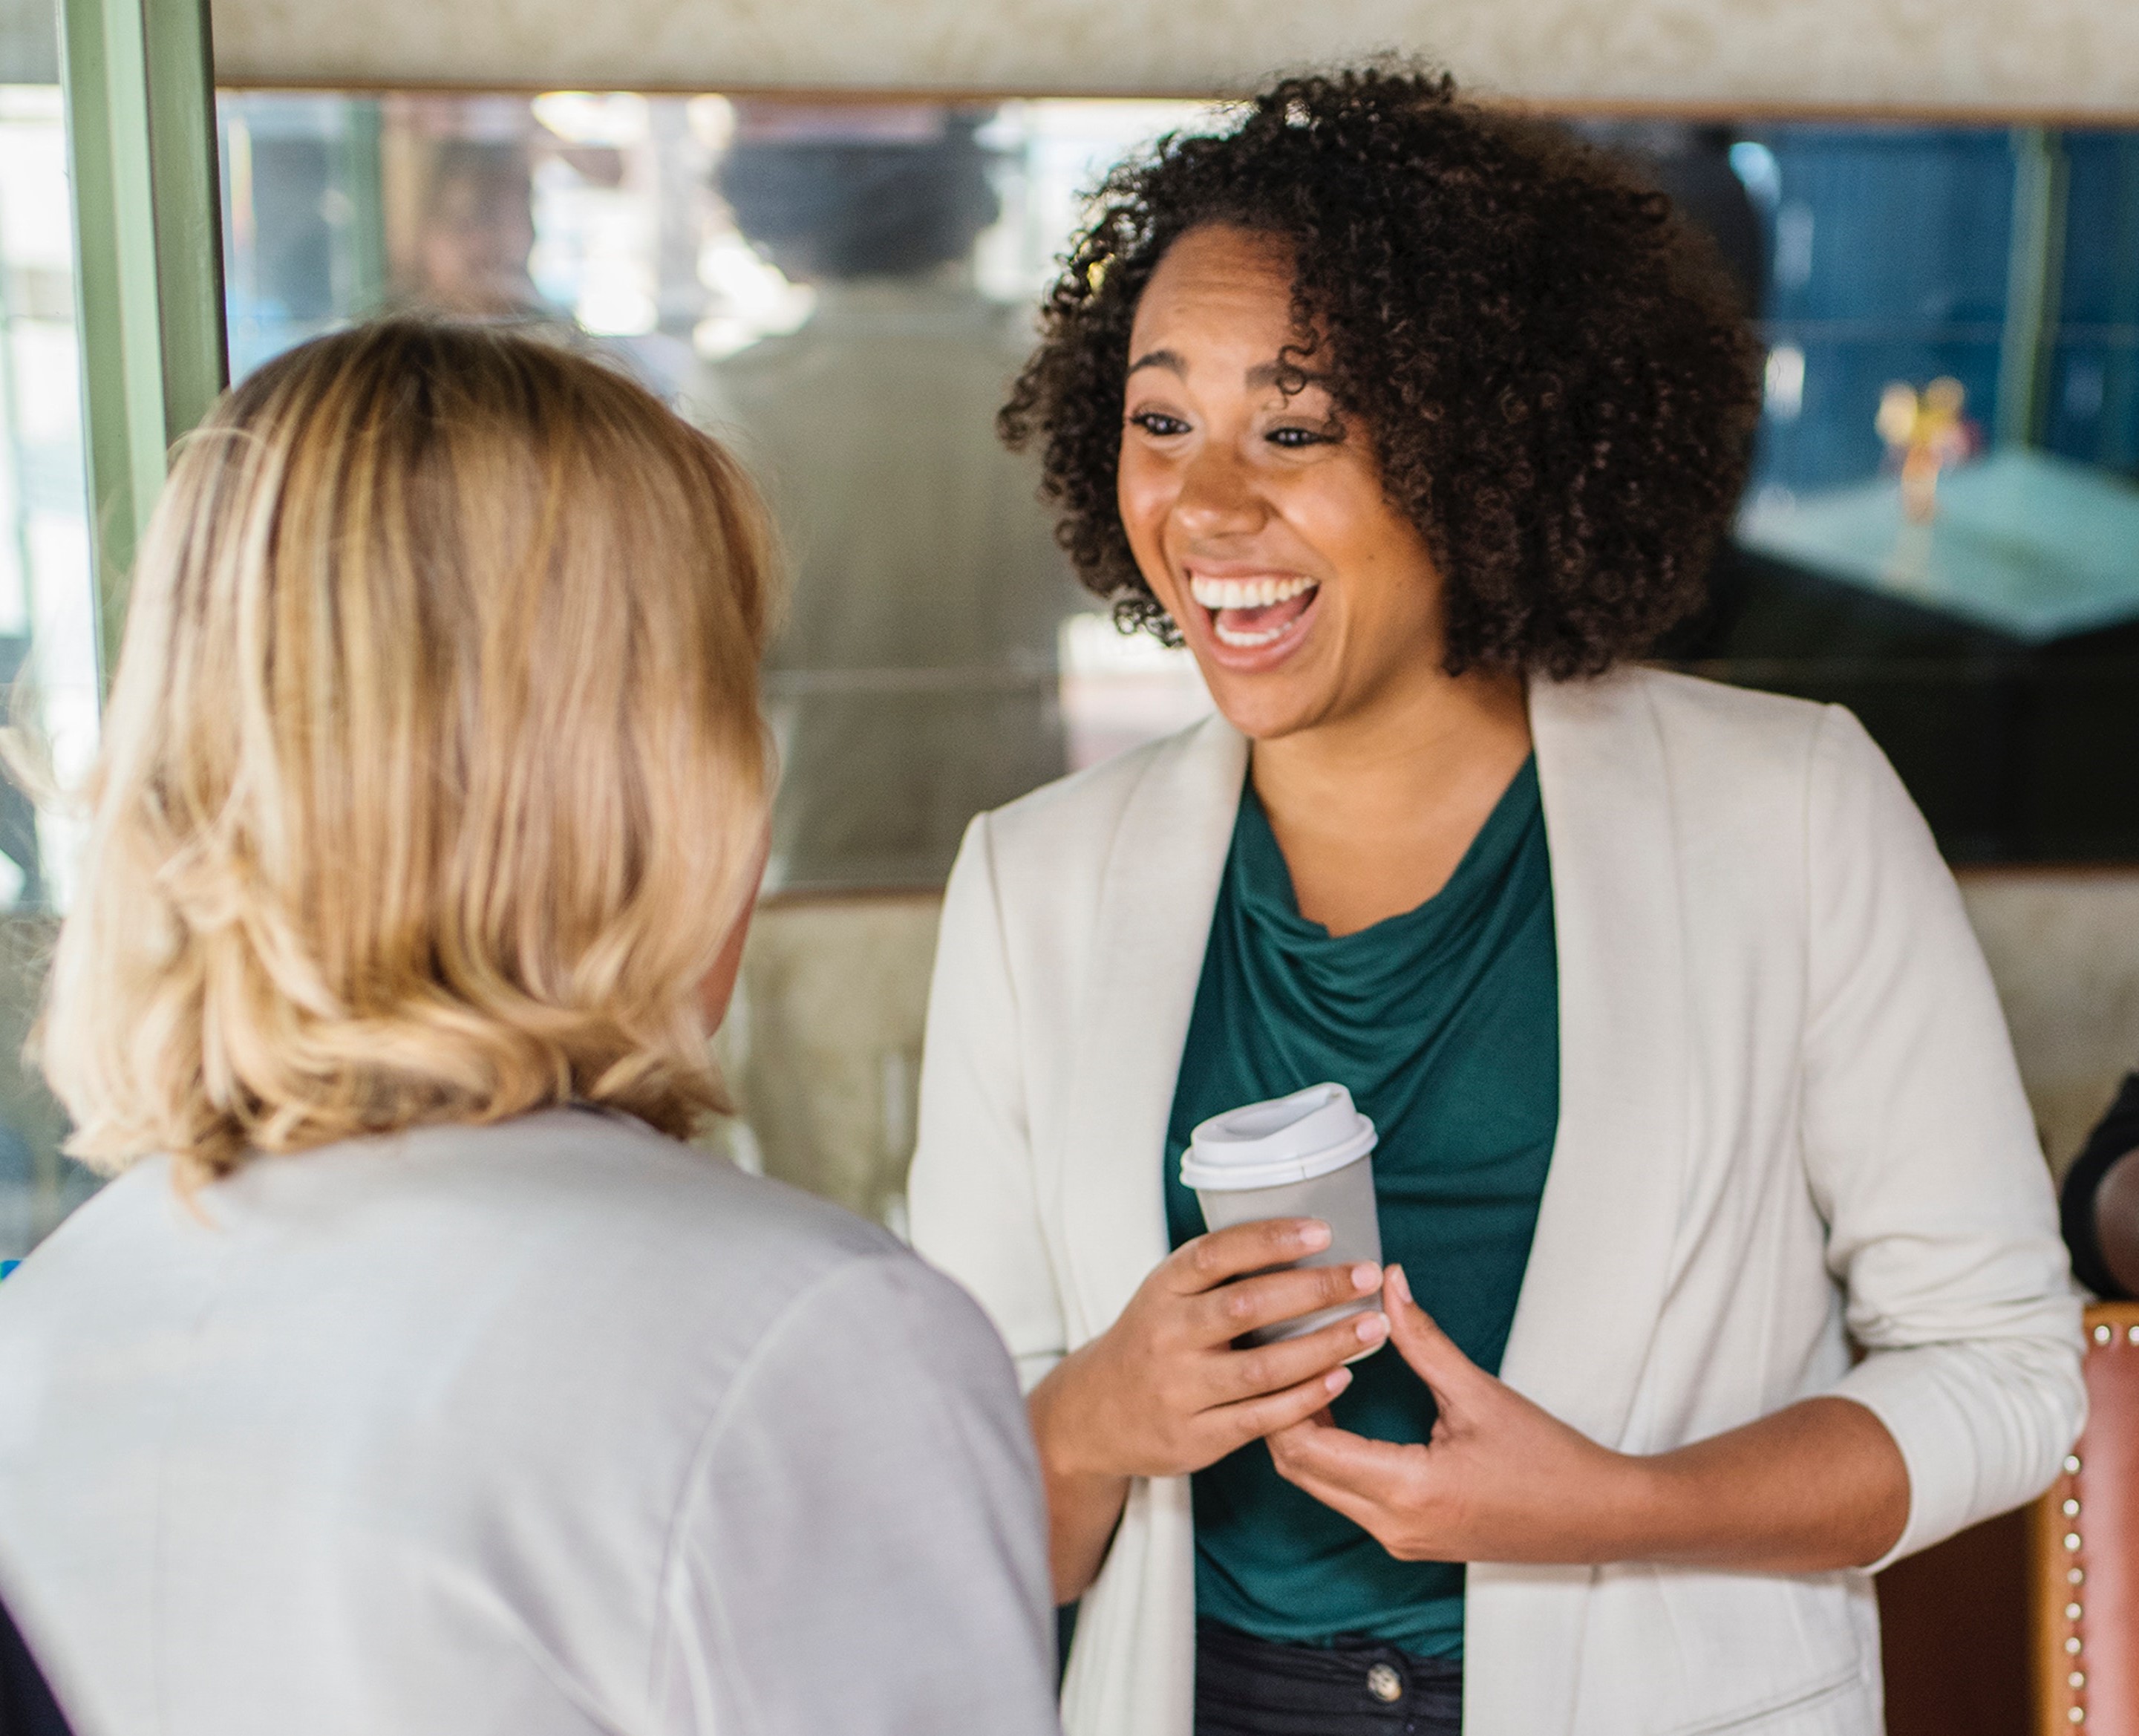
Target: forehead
[[1218, 288]]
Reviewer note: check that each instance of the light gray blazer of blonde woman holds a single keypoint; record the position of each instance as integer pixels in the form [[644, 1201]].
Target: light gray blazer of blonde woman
[[1789, 1116], [544, 1428]]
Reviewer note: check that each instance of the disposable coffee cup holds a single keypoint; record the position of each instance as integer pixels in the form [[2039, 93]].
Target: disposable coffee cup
[[1307, 1155]]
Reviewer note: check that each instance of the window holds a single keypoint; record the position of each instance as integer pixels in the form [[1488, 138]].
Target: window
[[843, 291], [48, 658], [1940, 531]]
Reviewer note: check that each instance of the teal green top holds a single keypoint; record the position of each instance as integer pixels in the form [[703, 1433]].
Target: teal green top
[[1444, 1023]]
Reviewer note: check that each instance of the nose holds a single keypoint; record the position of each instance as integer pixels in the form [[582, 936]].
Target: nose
[[1217, 495]]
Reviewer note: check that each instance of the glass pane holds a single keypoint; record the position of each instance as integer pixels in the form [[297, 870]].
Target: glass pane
[[1942, 531], [47, 618], [843, 290]]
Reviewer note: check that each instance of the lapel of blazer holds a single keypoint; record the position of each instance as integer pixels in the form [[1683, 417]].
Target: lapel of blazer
[[1599, 1264], [1159, 888]]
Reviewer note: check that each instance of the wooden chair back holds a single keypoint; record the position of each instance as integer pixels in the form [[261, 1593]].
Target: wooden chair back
[[2084, 1542]]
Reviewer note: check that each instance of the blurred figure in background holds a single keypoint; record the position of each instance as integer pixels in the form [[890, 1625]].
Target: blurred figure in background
[[913, 684], [1692, 164], [475, 232], [2100, 1200]]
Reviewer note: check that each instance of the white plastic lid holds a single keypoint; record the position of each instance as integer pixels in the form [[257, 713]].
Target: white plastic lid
[[1297, 1138]]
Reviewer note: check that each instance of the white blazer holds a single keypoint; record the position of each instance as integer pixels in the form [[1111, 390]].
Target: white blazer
[[1789, 1119]]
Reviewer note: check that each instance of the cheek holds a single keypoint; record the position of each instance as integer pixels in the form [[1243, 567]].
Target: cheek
[[1387, 571], [1144, 494]]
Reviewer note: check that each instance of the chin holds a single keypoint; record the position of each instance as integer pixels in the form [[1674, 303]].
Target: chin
[[1265, 691], [1264, 708]]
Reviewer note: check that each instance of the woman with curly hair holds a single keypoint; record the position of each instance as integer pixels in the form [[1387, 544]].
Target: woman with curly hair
[[1419, 422]]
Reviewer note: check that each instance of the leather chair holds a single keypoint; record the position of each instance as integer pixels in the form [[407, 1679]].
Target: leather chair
[[27, 1705], [2084, 1543]]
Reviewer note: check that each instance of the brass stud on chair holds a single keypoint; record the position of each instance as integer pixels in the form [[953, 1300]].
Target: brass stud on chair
[[2132, 1335], [2077, 1576], [2072, 1645], [2071, 1613], [2071, 1542], [2102, 1335], [2076, 1680], [2071, 1508], [2072, 1465], [2077, 1715]]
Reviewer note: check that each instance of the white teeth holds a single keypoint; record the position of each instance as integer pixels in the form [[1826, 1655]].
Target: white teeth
[[1248, 642], [1245, 594]]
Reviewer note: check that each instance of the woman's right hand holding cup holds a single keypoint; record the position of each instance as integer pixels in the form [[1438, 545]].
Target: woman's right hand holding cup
[[1163, 1391]]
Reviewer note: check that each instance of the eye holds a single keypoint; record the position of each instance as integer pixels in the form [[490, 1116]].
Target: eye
[[1292, 439], [1158, 424]]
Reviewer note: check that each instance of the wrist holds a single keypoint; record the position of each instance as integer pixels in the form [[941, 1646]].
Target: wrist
[[1065, 1455], [1645, 1510]]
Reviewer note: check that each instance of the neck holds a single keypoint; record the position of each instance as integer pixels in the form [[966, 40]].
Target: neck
[[1389, 763], [1374, 810]]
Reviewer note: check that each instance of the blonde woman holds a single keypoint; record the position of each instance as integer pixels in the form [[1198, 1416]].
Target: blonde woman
[[411, 1375]]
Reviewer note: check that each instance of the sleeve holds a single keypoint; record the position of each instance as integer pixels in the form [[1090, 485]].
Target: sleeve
[[1921, 1154], [972, 1202], [2115, 1136], [863, 1548]]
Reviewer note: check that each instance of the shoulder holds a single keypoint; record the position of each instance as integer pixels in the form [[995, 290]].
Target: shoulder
[[1755, 795], [1687, 711], [632, 1193], [566, 1283], [118, 1241], [653, 1274], [1770, 749], [889, 1314], [1033, 879], [1714, 745], [588, 1228], [619, 1194], [1074, 822]]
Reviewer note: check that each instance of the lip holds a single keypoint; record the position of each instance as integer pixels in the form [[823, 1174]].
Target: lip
[[1240, 570], [1245, 660]]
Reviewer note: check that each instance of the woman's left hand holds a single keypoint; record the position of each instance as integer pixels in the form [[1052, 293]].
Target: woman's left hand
[[1815, 1486], [1499, 1480]]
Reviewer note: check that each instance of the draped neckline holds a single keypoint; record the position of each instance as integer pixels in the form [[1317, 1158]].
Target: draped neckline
[[1385, 958]]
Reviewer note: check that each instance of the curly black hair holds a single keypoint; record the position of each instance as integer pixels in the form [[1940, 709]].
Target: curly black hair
[[1555, 369]]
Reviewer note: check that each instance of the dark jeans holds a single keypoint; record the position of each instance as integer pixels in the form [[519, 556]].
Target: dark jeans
[[1250, 1687]]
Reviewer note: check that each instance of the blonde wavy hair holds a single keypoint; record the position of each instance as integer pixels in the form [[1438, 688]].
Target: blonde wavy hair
[[433, 777]]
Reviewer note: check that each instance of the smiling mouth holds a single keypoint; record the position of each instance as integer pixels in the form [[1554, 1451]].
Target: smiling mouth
[[1249, 613]]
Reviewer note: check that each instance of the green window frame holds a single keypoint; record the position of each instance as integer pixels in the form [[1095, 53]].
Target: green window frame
[[140, 109]]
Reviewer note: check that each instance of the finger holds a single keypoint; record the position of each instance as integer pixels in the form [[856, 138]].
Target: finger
[[1235, 1374], [1225, 1254], [1376, 1471], [1270, 1298], [1374, 1508], [1434, 1356], [1252, 1419]]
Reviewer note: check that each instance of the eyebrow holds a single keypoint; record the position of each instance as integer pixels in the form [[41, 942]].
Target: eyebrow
[[1263, 373], [1169, 359]]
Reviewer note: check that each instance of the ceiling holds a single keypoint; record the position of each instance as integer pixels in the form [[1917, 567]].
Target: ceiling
[[2065, 57]]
